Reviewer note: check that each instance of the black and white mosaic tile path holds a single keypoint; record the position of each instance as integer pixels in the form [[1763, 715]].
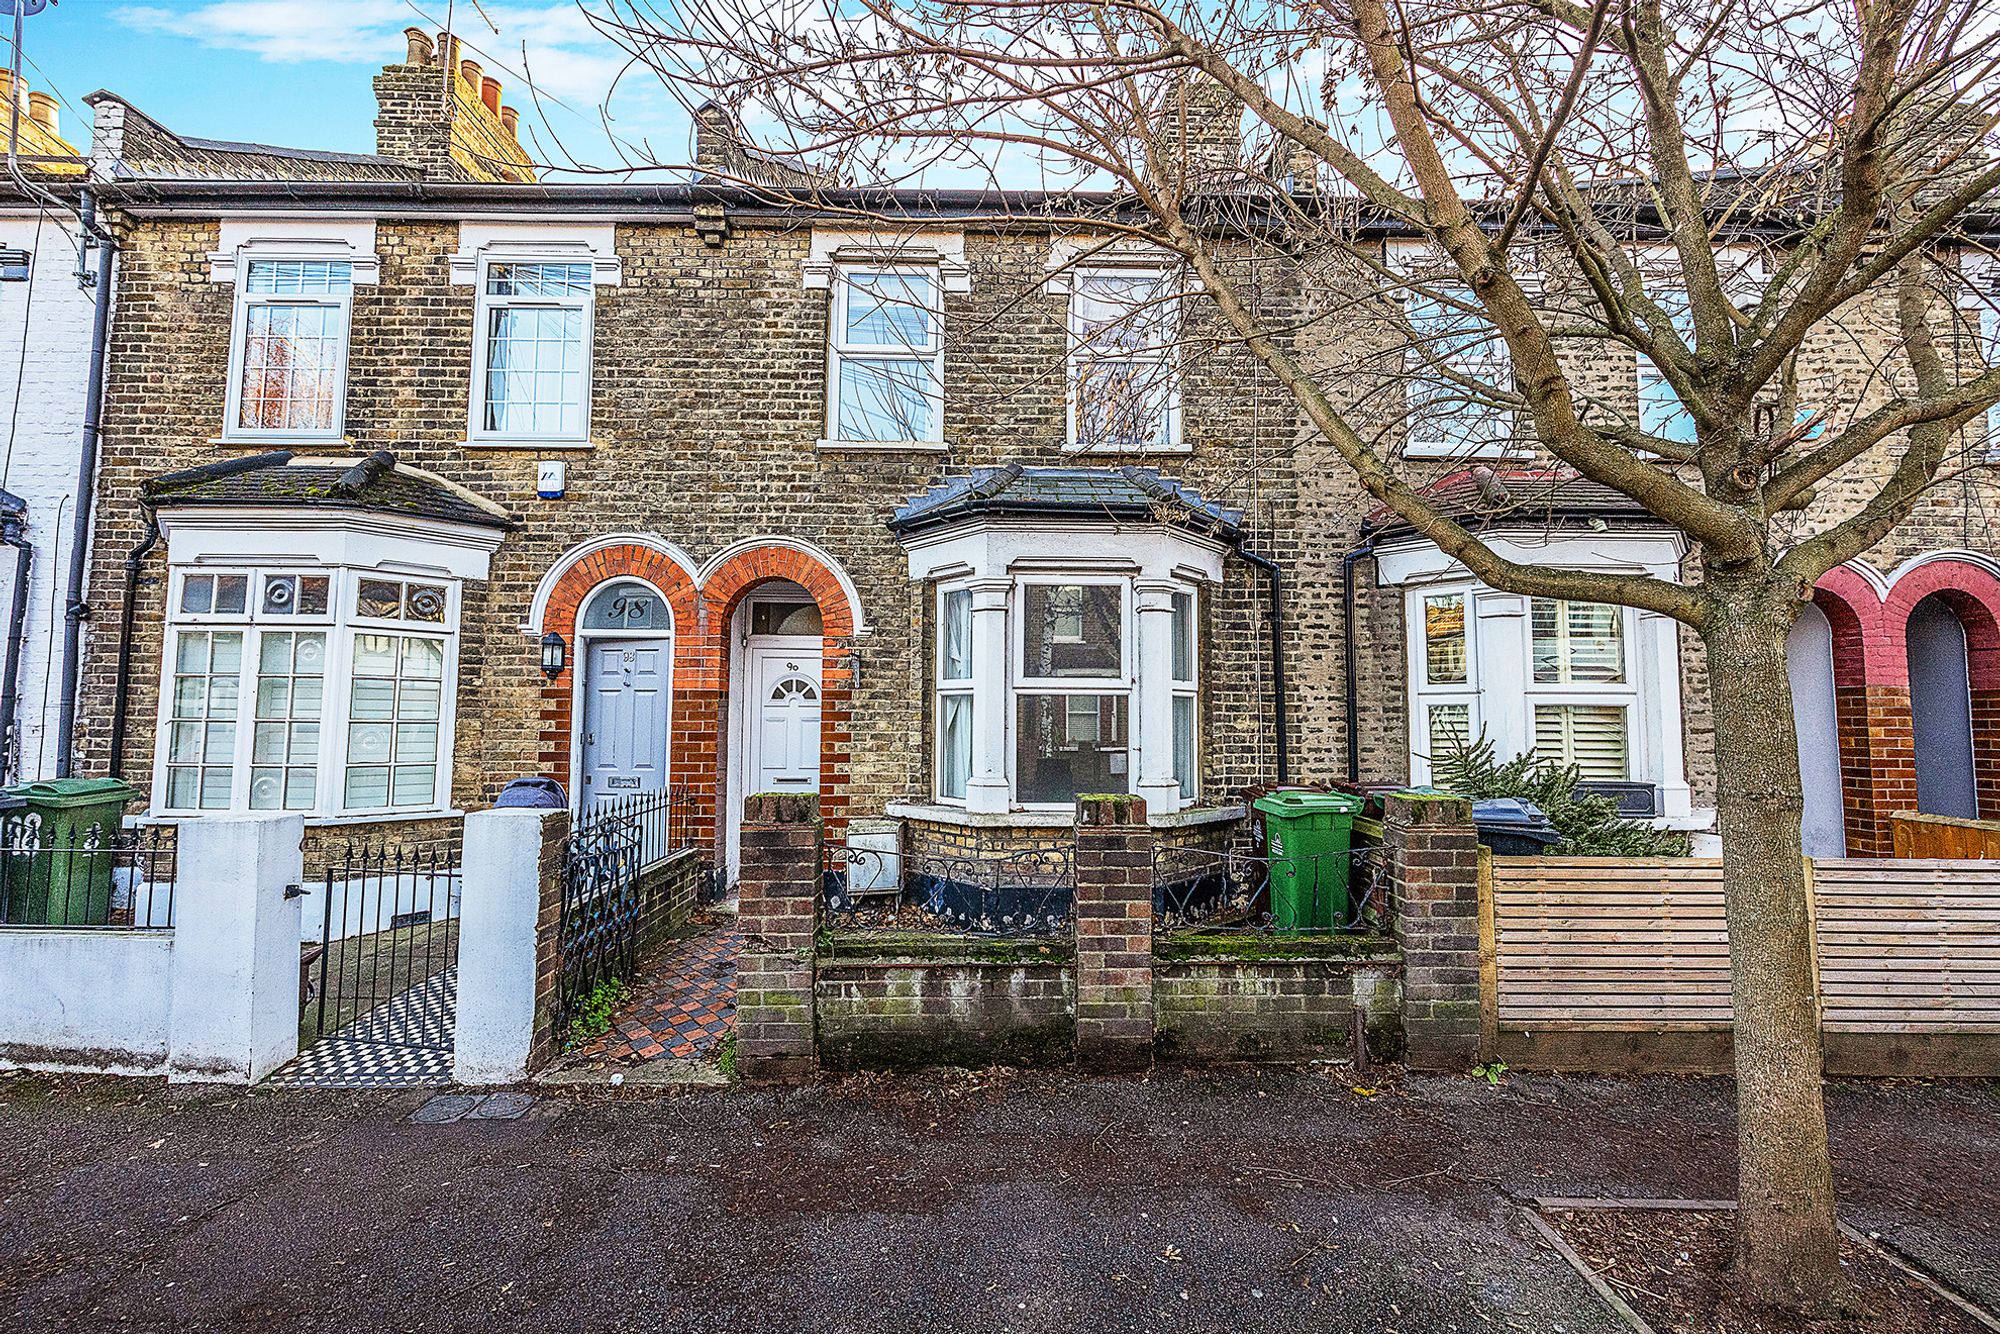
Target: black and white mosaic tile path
[[403, 1044]]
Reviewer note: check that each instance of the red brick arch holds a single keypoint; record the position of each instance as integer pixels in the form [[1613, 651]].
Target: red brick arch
[[698, 741], [1871, 668]]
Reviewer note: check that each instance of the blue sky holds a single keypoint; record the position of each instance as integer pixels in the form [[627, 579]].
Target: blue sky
[[297, 72]]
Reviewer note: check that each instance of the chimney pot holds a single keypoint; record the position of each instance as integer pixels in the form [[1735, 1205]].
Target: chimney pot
[[489, 93], [447, 49], [469, 71], [7, 89], [420, 46], [42, 110], [511, 119]]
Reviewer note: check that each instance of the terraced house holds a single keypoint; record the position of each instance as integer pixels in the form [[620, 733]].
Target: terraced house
[[421, 474]]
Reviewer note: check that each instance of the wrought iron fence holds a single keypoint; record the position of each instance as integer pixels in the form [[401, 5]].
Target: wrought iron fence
[[384, 967], [664, 821], [599, 923], [88, 877], [1214, 890], [1027, 893]]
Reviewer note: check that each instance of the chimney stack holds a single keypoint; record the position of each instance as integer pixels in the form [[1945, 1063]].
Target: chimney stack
[[489, 93], [420, 51]]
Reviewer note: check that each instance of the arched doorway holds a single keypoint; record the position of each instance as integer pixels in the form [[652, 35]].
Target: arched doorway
[[1941, 710], [625, 644], [1809, 662], [776, 696]]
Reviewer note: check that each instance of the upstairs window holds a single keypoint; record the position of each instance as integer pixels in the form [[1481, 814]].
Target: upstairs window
[[1989, 350], [1123, 390], [289, 358], [1456, 360], [532, 381], [886, 373], [1661, 411]]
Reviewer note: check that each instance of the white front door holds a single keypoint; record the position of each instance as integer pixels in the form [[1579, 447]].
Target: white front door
[[783, 721], [625, 718]]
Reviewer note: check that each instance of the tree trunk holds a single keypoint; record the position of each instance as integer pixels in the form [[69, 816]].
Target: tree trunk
[[1787, 1245]]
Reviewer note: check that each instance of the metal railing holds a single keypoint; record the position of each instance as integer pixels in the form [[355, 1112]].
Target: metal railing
[[664, 821], [382, 968], [598, 929], [90, 877], [1028, 893], [1208, 889]]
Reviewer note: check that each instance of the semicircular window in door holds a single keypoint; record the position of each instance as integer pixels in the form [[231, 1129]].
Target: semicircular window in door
[[626, 605], [791, 688]]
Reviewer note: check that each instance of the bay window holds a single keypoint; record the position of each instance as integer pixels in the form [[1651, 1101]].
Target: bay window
[[321, 691], [1579, 692], [531, 381], [1067, 678], [886, 375], [1122, 328]]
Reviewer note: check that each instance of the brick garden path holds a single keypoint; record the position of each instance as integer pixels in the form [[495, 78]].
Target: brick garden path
[[683, 1003]]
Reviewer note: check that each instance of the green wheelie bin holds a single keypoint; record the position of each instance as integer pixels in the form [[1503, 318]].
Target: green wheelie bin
[[63, 876], [1307, 836]]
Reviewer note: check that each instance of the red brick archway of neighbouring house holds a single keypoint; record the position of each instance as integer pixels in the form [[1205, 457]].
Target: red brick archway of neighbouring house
[[1871, 672], [698, 737]]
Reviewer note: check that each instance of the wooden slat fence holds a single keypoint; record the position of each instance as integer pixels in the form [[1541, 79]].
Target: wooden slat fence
[[1623, 948]]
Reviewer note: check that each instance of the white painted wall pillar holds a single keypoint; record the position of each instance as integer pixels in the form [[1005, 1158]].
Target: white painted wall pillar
[[1153, 724], [1659, 723], [1500, 665], [498, 916], [235, 1008], [988, 790]]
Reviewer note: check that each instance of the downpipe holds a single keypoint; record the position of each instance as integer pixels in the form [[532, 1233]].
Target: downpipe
[[13, 530], [75, 609], [121, 692]]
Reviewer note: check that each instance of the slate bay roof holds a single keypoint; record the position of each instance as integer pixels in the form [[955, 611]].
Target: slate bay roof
[[1113, 495], [376, 482], [1517, 498]]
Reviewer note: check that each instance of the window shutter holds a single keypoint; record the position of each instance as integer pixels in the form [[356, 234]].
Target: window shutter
[[1590, 736]]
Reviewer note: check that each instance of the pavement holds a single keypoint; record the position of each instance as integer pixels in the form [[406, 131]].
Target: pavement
[[1217, 1201]]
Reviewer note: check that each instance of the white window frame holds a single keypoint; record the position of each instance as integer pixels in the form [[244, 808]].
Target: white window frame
[[942, 686], [1504, 423], [1622, 694], [1188, 688], [1166, 356], [839, 350], [1989, 347], [233, 429], [486, 303], [1124, 685], [341, 624], [1423, 691]]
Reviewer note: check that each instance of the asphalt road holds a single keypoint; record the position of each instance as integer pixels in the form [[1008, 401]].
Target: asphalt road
[[1224, 1202]]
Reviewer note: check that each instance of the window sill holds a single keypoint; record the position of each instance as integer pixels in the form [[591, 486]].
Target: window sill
[[542, 446], [312, 820], [937, 813], [882, 446], [292, 442], [1127, 451], [1484, 453]]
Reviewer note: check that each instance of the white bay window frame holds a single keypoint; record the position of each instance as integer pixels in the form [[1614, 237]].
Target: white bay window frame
[[347, 548], [994, 564], [1500, 691], [342, 625]]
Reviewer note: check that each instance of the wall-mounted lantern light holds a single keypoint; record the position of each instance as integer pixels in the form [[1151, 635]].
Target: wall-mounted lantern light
[[554, 653]]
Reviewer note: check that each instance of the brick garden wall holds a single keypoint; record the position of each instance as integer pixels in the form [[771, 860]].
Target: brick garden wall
[[890, 1009], [1277, 1009]]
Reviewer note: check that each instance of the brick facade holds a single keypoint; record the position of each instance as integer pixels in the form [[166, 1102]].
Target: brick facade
[[1433, 861], [1114, 933]]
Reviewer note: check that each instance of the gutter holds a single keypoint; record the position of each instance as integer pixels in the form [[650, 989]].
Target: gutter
[[1275, 581], [75, 610]]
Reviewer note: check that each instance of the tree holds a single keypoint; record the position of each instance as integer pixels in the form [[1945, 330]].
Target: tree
[[1709, 190]]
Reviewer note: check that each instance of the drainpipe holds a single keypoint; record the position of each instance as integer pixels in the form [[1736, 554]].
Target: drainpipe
[[1350, 655], [74, 608], [12, 528], [121, 690], [1275, 581]]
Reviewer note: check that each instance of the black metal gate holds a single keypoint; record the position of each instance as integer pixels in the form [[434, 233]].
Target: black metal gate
[[598, 929], [385, 968]]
